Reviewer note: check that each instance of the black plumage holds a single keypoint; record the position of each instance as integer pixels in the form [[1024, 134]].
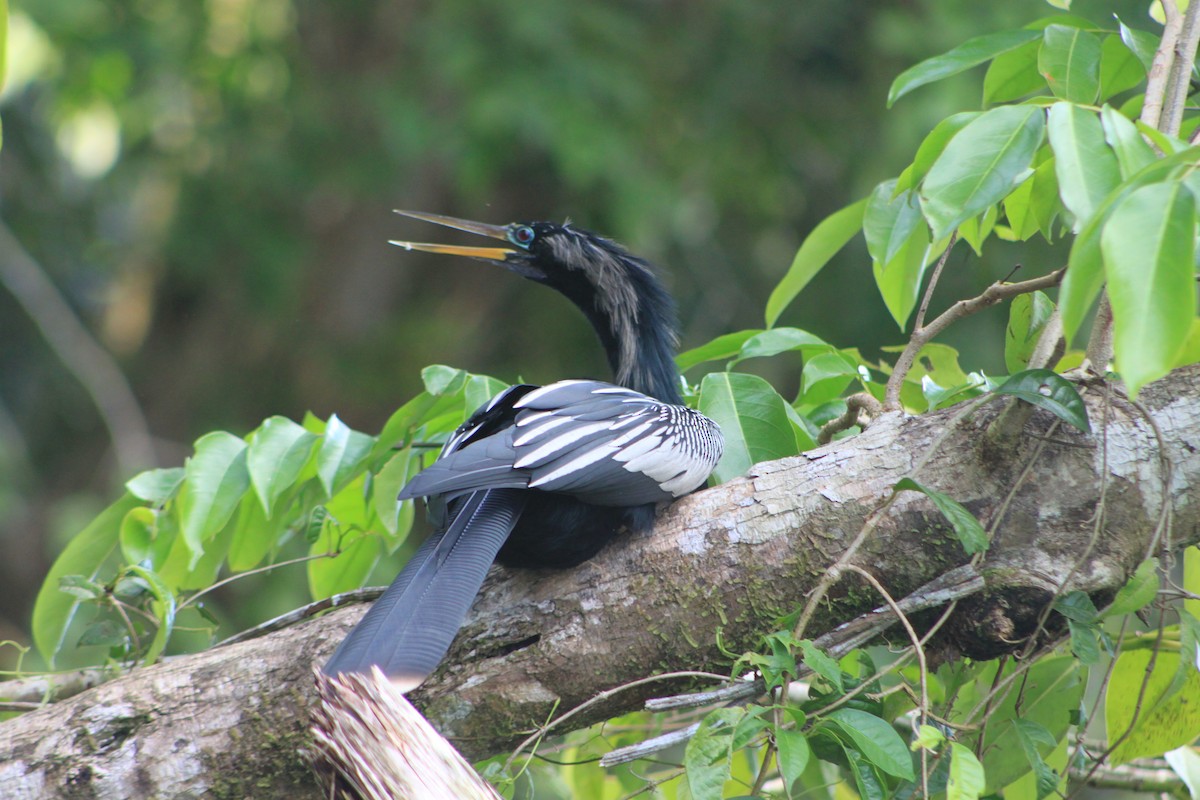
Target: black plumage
[[543, 476]]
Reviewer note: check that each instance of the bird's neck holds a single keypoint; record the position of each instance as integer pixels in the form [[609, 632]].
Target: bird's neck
[[637, 330]]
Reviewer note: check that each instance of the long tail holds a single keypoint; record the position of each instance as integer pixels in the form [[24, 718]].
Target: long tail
[[409, 628]]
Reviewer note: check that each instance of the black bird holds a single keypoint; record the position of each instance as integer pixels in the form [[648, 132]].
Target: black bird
[[543, 476]]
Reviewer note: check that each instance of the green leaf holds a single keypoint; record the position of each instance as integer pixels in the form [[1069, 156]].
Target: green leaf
[[722, 348], [1047, 389], [793, 754], [820, 663], [928, 738], [342, 455], [752, 418], [1185, 762], [216, 480], [932, 147], [1032, 735], [876, 740], [1165, 720], [387, 485], [277, 453], [966, 55], [709, 754], [780, 340], [1086, 166], [1070, 61], [1132, 152], [825, 240], [899, 282], [164, 610], [1120, 68], [1141, 44], [253, 534], [970, 533], [156, 486], [1013, 75], [142, 540], [1149, 247], [966, 780], [1138, 592], [440, 379], [86, 554], [1027, 317], [889, 220], [825, 376], [981, 165], [480, 389], [1033, 205]]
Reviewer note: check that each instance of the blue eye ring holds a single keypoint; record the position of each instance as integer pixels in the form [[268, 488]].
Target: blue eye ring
[[521, 235]]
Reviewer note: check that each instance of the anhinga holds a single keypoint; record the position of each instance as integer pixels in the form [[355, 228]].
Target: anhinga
[[543, 476]]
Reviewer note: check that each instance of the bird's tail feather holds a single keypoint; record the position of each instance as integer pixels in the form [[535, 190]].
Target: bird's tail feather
[[409, 628]]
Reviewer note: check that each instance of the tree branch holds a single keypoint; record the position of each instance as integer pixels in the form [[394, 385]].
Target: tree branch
[[726, 562]]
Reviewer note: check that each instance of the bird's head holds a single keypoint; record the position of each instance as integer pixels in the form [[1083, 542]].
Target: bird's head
[[617, 291]]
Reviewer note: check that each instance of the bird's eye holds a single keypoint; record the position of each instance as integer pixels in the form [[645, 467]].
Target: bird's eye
[[522, 235]]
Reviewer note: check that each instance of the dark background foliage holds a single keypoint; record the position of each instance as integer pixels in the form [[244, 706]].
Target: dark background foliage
[[210, 186]]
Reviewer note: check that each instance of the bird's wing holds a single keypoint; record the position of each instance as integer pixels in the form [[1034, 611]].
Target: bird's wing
[[601, 443], [408, 629]]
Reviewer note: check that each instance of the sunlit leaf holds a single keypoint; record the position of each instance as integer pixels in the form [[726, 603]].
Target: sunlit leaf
[[1027, 317], [875, 739], [967, 779], [342, 455], [966, 55], [1120, 68], [156, 486], [980, 165], [217, 478], [1086, 166], [277, 453], [1013, 75], [1155, 720], [722, 348], [708, 754], [793, 754], [1138, 592], [1070, 61], [932, 147], [1032, 206], [1132, 152], [1149, 247], [752, 419], [889, 220]]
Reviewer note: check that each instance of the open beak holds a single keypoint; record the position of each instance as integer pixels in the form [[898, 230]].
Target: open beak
[[483, 229]]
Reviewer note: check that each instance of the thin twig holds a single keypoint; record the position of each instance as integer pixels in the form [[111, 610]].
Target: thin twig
[[919, 321], [922, 335], [90, 363], [861, 408]]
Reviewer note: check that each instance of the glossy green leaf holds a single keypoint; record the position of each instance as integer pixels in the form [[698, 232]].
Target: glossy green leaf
[[217, 478], [1149, 247], [1013, 75], [1120, 67], [54, 610], [825, 240], [342, 455], [966, 781], [781, 340], [875, 739], [969, 54], [1140, 43], [1166, 720], [1047, 389], [981, 165], [970, 533], [932, 147], [1070, 61], [1138, 592], [277, 453], [480, 389], [254, 536], [440, 379], [1027, 317], [752, 419], [143, 541], [156, 486], [182, 570], [889, 220], [1032, 206], [722, 348], [708, 755], [346, 571], [1132, 152], [976, 230], [1086, 166]]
